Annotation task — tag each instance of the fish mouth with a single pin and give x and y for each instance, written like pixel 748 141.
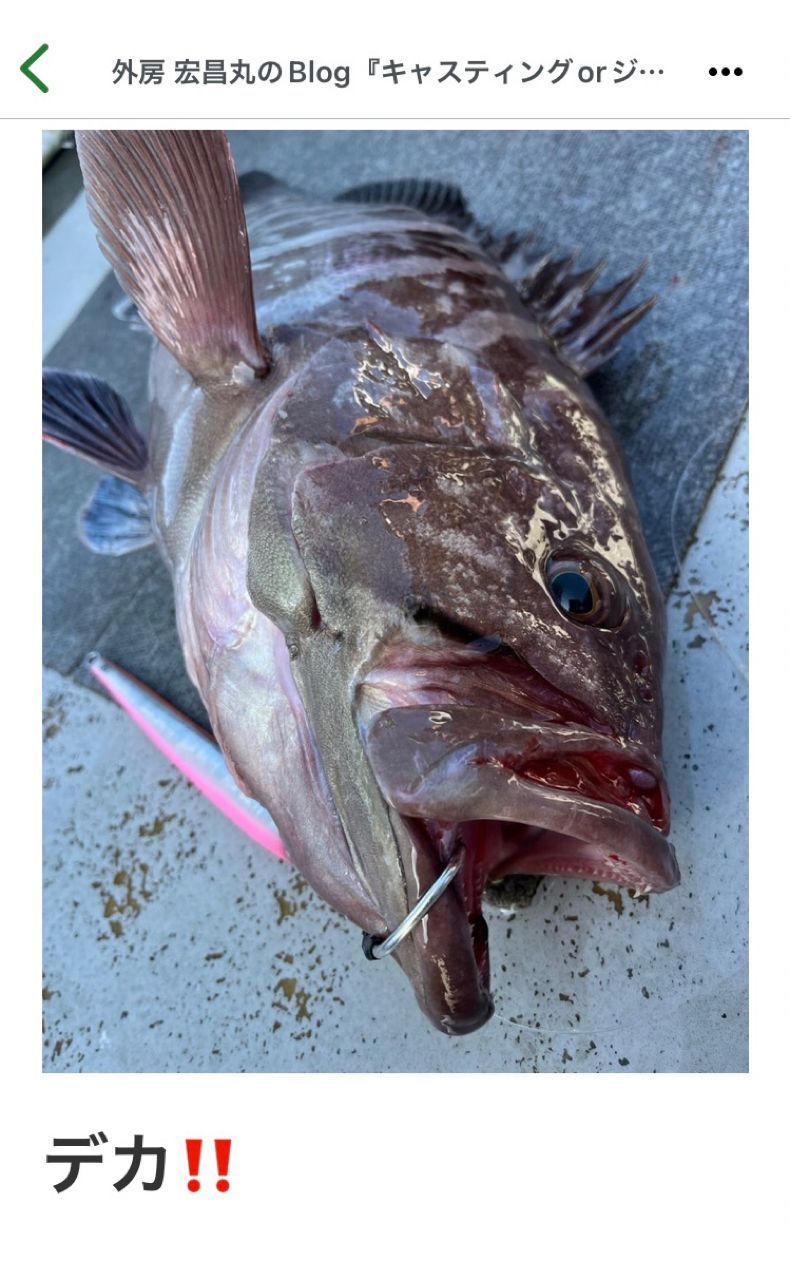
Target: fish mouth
pixel 521 797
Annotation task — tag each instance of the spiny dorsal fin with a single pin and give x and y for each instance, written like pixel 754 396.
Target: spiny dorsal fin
pixel 584 325
pixel 168 212
pixel 502 247
pixel 85 416
pixel 440 200
pixel 437 199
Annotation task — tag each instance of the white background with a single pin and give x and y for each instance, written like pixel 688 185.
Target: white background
pixel 563 1175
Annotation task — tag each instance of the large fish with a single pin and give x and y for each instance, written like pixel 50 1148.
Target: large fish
pixel 411 582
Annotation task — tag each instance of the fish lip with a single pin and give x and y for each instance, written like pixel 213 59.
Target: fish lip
pixel 527 691
pixel 650 862
pixel 446 957
pixel 454 779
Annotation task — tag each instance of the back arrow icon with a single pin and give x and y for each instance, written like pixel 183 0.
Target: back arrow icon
pixel 25 69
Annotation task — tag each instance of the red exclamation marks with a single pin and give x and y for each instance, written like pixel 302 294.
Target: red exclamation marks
pixel 222 1146
pixel 194 1147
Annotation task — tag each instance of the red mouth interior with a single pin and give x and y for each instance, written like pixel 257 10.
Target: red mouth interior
pixel 597 776
pixel 455 677
pixel 495 849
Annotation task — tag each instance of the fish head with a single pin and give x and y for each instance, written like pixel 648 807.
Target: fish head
pixel 483 667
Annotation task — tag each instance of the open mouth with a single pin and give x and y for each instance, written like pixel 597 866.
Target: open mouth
pixel 587 814
pixel 524 799
pixel 527 790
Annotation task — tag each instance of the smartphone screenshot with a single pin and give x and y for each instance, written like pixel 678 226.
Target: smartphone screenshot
pixel 383 587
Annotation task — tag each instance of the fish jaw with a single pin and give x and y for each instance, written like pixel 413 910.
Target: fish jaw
pixel 445 957
pixel 524 797
pixel 394 861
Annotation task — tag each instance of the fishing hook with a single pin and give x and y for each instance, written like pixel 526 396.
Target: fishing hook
pixel 378 948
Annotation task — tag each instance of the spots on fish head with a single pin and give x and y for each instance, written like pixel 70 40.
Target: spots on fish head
pixel 490 548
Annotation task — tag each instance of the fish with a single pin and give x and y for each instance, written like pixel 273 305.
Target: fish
pixel 411 583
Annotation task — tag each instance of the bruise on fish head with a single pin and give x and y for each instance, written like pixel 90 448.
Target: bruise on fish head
pixel 358 385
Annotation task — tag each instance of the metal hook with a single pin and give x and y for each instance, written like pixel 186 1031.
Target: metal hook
pixel 378 948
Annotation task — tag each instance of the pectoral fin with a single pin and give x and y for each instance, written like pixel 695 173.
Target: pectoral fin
pixel 116 519
pixel 169 216
pixel 85 416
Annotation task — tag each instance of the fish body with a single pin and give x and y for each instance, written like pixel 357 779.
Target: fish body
pixel 410 578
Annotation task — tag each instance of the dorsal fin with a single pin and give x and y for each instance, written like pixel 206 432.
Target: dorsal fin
pixel 168 212
pixel 583 325
pixel 438 199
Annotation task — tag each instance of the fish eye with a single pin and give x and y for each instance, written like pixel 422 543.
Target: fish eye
pixel 574 592
pixel 583 590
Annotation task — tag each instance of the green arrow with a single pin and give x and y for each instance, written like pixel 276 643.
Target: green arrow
pixel 25 69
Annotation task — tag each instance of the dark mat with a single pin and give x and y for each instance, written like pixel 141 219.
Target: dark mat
pixel 675 392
